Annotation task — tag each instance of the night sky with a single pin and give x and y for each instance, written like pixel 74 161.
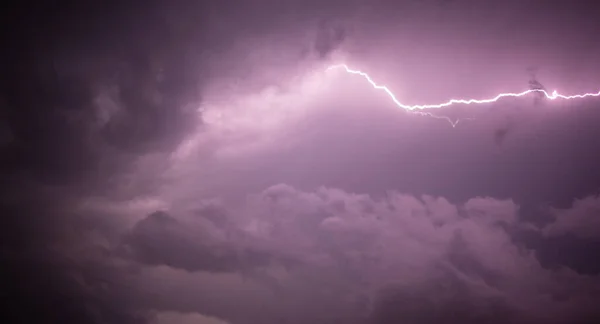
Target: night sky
pixel 195 162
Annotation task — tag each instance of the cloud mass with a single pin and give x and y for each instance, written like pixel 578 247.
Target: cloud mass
pixel 191 163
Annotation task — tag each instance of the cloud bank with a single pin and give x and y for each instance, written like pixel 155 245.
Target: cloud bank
pixel 157 175
pixel 328 255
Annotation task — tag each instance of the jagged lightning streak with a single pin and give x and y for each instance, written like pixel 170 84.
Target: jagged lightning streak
pixel 553 96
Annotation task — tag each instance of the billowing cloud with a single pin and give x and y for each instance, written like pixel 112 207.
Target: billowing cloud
pixel 582 220
pixel 199 165
pixel 342 256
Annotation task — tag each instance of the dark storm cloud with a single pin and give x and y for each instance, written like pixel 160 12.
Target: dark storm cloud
pixel 55 67
pixel 101 203
pixel 83 98
pixel 570 237
pixel 329 37
pixel 582 220
pixel 161 239
pixel 367 259
pixel 453 301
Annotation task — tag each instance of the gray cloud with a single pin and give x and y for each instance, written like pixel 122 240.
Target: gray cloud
pixel 120 139
pixel 368 259
pixel 329 36
pixel 161 239
pixel 581 220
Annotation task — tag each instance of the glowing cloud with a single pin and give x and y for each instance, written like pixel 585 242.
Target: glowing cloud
pixel 553 96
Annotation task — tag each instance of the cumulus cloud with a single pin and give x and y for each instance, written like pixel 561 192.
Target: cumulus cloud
pixel 342 256
pixel 582 220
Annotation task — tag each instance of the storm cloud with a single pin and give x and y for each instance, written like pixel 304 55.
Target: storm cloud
pixel 374 259
pixel 187 163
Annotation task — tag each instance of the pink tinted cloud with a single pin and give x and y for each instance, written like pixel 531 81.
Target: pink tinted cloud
pixel 581 220
pixel 292 249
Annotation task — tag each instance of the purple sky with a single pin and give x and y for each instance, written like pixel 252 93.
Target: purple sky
pixel 187 163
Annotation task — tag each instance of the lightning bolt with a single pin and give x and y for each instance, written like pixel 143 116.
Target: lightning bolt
pixel 554 95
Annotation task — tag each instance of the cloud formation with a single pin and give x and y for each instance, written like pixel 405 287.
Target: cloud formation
pixel 582 220
pixel 347 257
pixel 197 165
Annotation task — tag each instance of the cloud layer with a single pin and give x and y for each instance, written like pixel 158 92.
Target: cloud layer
pixel 330 255
pixel 198 165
